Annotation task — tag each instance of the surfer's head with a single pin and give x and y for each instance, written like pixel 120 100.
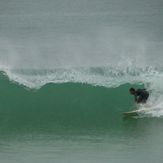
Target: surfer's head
pixel 132 91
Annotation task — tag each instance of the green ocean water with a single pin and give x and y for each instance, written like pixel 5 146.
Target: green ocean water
pixel 74 123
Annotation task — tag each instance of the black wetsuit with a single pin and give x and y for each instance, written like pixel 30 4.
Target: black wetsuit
pixel 141 95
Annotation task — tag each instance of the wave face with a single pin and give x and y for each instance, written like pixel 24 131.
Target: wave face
pixel 56 106
pixel 77 96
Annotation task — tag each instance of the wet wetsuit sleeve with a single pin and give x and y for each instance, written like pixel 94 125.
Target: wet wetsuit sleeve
pixel 135 98
pixel 139 99
pixel 137 95
pixel 141 96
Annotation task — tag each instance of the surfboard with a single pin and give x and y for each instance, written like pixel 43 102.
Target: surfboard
pixel 136 112
pixel 131 113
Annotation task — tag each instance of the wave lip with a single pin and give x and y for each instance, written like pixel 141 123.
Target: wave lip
pixel 97 76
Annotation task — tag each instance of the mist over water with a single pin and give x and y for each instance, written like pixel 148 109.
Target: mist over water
pixel 61 33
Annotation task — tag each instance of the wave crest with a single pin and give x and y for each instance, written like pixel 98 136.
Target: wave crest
pixel 97 76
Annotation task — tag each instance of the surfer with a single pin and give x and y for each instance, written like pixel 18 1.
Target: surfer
pixel 141 95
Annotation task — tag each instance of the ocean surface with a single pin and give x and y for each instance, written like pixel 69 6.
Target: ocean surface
pixel 65 70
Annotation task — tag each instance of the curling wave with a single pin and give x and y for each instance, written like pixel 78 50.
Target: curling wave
pixel 109 77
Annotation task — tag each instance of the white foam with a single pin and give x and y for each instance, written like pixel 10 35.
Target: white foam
pixel 104 76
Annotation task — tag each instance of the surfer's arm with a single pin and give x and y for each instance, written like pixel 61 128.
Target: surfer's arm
pixel 136 100
pixel 140 99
